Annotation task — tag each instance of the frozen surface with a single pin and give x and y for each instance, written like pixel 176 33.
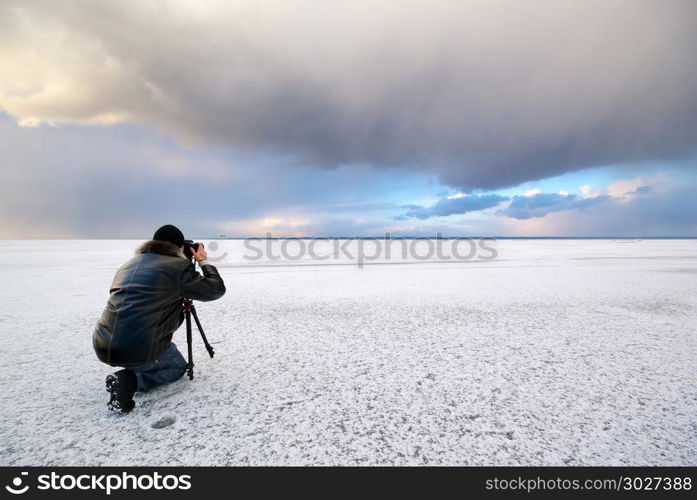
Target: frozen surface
pixel 558 352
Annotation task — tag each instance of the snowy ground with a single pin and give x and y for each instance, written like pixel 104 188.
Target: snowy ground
pixel 558 352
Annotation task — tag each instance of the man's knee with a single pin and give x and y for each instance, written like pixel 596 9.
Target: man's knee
pixel 181 366
pixel 177 359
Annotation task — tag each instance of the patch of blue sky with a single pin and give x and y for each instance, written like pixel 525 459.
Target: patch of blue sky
pixel 570 182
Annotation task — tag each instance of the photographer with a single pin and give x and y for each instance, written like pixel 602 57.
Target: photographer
pixel 145 308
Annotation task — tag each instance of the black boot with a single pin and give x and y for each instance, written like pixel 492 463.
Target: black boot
pixel 121 386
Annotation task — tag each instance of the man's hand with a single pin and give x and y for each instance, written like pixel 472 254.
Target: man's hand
pixel 200 253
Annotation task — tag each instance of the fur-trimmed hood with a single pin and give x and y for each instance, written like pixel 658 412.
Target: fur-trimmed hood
pixel 160 247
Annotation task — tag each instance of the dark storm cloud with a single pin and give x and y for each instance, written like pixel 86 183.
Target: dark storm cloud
pixel 483 93
pixel 541 204
pixel 453 205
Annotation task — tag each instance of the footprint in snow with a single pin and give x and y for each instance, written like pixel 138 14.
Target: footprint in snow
pixel 163 422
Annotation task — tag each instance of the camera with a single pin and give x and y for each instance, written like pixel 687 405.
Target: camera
pixel 190 247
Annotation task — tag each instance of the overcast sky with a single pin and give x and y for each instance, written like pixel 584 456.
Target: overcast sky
pixel 515 117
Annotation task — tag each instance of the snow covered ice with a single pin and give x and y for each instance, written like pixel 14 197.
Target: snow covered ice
pixel 560 352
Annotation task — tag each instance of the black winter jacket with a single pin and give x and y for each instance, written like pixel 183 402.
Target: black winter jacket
pixel 145 303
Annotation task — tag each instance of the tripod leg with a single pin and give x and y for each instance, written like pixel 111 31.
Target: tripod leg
pixel 190 364
pixel 209 347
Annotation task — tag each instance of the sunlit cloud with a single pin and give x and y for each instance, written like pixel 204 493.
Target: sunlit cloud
pixel 627 188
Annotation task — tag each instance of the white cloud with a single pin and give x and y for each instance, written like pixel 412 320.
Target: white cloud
pixel 456 196
pixel 532 192
pixel 627 188
pixel 588 192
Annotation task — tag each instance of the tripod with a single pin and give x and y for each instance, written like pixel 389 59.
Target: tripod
pixel 190 310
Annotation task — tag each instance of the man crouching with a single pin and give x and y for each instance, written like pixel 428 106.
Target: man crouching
pixel 145 308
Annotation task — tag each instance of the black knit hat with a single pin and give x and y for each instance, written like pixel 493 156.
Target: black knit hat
pixel 170 233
